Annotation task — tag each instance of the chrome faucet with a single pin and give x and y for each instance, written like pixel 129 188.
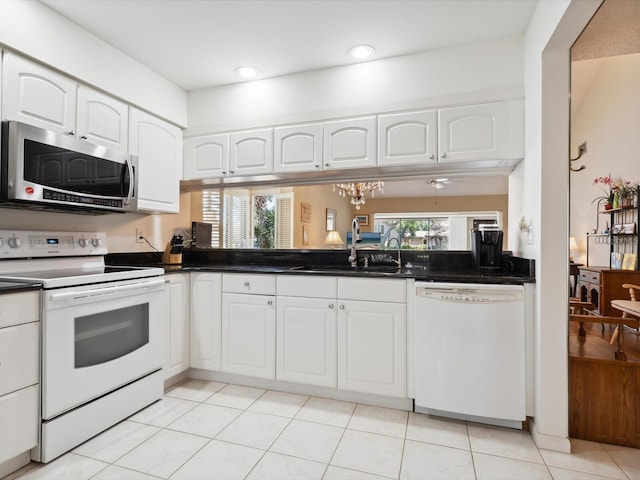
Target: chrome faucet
pixel 398 261
pixel 355 238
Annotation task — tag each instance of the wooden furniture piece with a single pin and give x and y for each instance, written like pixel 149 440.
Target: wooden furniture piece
pixel 603 392
pixel 574 273
pixel 629 308
pixel 600 285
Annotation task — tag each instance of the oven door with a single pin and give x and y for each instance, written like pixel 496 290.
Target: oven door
pixel 97 338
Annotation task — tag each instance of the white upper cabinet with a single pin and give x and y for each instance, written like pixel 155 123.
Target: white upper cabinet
pixel 298 148
pixel 489 131
pixel 251 152
pixel 206 157
pixel 350 143
pixel 408 138
pixel 158 146
pixel 102 119
pixel 38 96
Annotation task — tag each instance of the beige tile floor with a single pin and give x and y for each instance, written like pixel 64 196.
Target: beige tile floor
pixel 210 430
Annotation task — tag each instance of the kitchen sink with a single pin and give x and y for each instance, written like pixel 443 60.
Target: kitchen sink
pixel 379 269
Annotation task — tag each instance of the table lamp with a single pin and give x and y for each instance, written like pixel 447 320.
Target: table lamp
pixel 573 247
pixel 333 239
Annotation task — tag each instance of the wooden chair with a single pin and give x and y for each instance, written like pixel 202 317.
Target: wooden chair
pixel 630 308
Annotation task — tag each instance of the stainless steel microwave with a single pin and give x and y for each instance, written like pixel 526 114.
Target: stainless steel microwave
pixel 46 170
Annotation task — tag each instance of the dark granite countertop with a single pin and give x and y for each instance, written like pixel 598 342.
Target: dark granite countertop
pixel 430 266
pixel 13 287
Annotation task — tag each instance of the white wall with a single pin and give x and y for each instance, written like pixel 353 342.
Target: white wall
pixel 483 71
pixel 543 177
pixel 31 28
pixel 607 119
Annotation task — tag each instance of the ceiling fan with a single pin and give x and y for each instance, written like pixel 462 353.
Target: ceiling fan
pixel 437 183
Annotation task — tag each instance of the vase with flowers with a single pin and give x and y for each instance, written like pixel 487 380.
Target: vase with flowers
pixel 606 185
pixel 626 192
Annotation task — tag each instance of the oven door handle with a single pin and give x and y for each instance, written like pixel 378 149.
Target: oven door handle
pixel 96 292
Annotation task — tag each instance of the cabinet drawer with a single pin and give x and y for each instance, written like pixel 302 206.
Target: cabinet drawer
pixel 372 289
pixel 19 420
pixel 589 276
pixel 254 284
pixel 19 356
pixel 302 286
pixel 17 308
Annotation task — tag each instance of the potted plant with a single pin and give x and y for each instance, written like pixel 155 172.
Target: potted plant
pixel 626 191
pixel 606 185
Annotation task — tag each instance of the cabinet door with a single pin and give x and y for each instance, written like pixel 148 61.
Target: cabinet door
pixel 350 143
pixel 158 146
pixel 251 152
pixel 372 347
pixel 206 310
pixel 407 138
pixel 249 335
pixel 298 148
pixel 306 341
pixel 489 131
pixel 35 95
pixel 206 157
pixel 20 420
pixel 176 332
pixel 102 120
pixel 19 356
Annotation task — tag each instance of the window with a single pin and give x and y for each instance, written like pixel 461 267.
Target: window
pixel 244 219
pixel 430 231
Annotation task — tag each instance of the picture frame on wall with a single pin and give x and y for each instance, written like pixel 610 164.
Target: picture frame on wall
pixel 363 219
pixel 331 219
pixel 305 212
pixel 629 261
pixel 305 235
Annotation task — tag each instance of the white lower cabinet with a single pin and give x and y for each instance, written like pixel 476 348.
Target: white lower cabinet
pixel 176 333
pixel 206 297
pixel 306 341
pixel 372 347
pixel 249 334
pixel 372 338
pixel 19 373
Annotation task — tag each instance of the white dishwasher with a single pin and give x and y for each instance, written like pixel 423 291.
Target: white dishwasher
pixel 470 352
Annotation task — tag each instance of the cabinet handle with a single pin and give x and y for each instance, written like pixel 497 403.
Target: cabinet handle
pixel 444 155
pixel 326 164
pixel 331 305
pixel 317 166
pixel 341 307
pixel 270 302
pixel 71 132
pixel 224 173
pixel 432 156
pixel 231 172
pixel 83 137
pixel 246 284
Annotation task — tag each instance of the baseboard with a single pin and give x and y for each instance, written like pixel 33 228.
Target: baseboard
pixel 549 442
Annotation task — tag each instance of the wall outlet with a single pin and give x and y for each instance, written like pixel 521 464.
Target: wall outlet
pixel 139 235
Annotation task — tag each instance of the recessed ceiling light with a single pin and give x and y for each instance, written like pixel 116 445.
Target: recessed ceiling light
pixel 361 52
pixel 247 72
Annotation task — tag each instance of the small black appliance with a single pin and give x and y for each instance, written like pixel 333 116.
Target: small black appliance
pixel 486 248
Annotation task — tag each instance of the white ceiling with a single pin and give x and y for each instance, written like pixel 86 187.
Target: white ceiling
pixel 453 187
pixel 199 43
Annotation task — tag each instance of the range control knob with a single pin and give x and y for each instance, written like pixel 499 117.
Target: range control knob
pixel 15 242
pixel 95 242
pixel 82 242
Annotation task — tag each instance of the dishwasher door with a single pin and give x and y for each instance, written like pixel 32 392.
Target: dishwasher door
pixel 470 352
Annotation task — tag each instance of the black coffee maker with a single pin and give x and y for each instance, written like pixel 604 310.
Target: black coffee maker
pixel 486 248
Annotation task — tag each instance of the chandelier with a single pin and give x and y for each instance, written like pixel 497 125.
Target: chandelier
pixel 358 191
